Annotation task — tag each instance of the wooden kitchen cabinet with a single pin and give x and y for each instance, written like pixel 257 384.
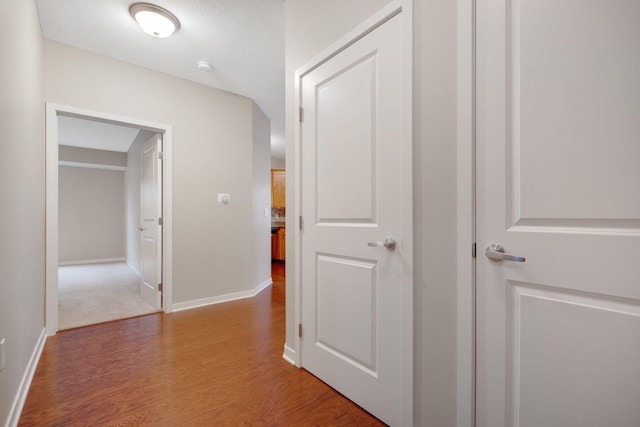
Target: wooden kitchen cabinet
pixel 281 244
pixel 274 246
pixel 278 196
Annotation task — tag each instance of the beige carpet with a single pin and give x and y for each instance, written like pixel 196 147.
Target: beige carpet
pixel 95 293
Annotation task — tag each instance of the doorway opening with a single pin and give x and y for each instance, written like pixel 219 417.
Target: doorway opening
pixel 278 214
pixel 88 246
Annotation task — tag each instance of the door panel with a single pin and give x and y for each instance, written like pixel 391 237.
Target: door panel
pixel 558 167
pixel 346 98
pixel 587 340
pixel 346 305
pixel 574 77
pixel 151 233
pixel 352 184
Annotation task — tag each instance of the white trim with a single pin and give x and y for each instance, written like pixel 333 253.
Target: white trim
pixel 297 237
pixel 222 298
pixel 90 261
pixel 407 220
pixel 91 166
pixel 404 8
pixel 51 247
pixel 289 355
pixel 167 219
pixel 51 228
pixel 465 394
pixel 25 383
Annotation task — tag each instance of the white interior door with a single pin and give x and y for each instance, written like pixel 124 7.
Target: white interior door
pixel 150 223
pixel 353 194
pixel 558 183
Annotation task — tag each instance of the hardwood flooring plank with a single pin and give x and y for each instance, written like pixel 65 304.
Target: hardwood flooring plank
pixel 219 365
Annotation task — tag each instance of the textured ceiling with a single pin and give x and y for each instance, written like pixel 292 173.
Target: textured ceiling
pixel 243 40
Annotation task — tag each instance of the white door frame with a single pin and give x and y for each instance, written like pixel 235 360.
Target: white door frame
pixel 51 246
pixel 405 9
pixel 466 217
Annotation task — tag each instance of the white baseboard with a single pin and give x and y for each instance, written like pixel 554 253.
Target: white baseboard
pixel 23 389
pixel 133 268
pixel 91 261
pixel 289 355
pixel 221 298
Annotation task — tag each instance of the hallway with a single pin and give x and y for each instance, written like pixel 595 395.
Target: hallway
pixel 217 365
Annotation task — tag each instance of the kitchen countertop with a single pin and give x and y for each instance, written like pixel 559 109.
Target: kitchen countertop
pixel 280 222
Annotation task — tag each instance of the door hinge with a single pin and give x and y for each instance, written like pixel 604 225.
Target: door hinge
pixel 301 110
pixel 160 287
pixel 160 221
pixel 300 222
pixel 473 249
pixel 160 155
pixel 300 330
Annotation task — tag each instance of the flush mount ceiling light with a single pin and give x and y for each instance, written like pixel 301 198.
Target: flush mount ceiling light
pixel 154 20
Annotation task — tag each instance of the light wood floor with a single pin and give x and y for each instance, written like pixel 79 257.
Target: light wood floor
pixel 214 366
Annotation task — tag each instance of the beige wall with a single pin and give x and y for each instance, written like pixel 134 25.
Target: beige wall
pixel 435 195
pixel 22 167
pixel 90 214
pixel 312 26
pixel 261 196
pixel 278 163
pixel 212 153
pixel 91 156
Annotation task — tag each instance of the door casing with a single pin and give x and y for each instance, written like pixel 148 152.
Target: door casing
pixel 51 246
pixel 466 300
pixel 406 9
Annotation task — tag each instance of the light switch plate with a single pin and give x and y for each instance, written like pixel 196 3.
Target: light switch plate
pixel 266 212
pixel 225 199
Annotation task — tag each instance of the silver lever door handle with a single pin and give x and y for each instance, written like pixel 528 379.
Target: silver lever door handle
pixel 495 252
pixel 388 243
pixel 139 228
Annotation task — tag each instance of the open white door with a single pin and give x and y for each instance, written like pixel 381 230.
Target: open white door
pixel 558 183
pixel 151 222
pixel 356 293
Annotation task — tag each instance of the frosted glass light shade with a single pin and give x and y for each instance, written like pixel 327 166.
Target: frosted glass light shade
pixel 154 20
